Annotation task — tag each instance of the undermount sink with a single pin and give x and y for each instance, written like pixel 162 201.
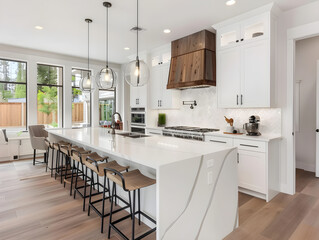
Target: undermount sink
pixel 132 135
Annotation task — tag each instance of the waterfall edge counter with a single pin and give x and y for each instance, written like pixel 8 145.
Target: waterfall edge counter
pixel 196 193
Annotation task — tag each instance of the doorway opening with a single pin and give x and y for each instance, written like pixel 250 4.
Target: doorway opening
pixel 306 115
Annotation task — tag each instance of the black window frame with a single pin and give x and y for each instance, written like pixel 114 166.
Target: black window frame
pixel 20 83
pixel 53 85
pixel 108 90
pixel 72 87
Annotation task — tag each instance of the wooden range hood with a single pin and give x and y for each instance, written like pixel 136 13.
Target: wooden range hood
pixel 193 62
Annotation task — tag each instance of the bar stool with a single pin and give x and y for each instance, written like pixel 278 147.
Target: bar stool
pixel 98 169
pixel 129 181
pixel 80 158
pixel 66 151
pixel 59 168
pixel 49 146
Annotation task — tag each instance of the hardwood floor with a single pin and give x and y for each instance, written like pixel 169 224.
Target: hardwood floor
pixel 35 206
pixel 285 217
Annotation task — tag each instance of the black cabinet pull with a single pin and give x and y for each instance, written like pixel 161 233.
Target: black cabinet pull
pixel 237 41
pixel 217 141
pixel 237 99
pixel 241 99
pixel 242 39
pixel 317 130
pixel 246 145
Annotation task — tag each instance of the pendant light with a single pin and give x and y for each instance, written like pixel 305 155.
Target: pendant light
pixel 106 78
pixel 136 72
pixel 87 83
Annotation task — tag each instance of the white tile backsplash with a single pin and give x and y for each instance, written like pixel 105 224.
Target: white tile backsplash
pixel 206 113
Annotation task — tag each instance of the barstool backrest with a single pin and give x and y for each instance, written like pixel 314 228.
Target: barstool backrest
pixel 109 173
pixel 93 163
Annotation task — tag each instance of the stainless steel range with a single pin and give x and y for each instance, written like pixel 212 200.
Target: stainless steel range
pixel 195 133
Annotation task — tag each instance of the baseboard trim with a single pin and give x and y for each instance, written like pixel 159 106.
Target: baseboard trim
pixel 310 167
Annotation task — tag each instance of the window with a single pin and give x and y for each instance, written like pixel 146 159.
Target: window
pixel 81 101
pixel 106 106
pixel 13 94
pixel 50 94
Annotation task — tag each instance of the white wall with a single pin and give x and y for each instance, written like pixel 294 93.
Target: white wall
pixel 207 114
pixel 307 54
pixel 32 57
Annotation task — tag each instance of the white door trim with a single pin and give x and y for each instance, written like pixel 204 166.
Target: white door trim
pixel 294 34
pixel 317 120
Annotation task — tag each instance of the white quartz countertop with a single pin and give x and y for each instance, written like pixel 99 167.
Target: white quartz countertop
pixel 262 138
pixel 152 151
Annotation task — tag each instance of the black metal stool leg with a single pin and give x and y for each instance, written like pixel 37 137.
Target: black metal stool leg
pixel 72 178
pixel 90 198
pixel 46 159
pixel 133 217
pixel 34 153
pixel 85 180
pixel 103 205
pixel 57 162
pixel 111 212
pixel 130 201
pixel 76 180
pixel 52 151
pixel 139 205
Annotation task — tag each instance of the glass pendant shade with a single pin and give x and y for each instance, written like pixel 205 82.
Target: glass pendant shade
pixel 87 83
pixel 137 73
pixel 106 79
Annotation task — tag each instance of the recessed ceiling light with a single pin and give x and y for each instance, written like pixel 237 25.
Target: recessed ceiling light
pixel 38 27
pixel 126 48
pixel 230 2
pixel 167 31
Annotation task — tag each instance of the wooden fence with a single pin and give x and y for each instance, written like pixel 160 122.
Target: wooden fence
pixel 14 114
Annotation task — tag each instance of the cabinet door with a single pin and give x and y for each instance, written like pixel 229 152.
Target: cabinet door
pixel 228 36
pixel 255 81
pixel 170 97
pixel 256 28
pixel 156 86
pixel 134 92
pixel 228 77
pixel 252 171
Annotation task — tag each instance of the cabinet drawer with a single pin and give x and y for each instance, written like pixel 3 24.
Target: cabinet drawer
pixel 220 140
pixel 250 145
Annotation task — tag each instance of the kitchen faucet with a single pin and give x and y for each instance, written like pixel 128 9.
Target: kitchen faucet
pixel 113 121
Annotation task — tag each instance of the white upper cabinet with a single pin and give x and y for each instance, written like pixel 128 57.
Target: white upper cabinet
pixel 245 75
pixel 253 29
pixel 228 75
pixel 160 97
pixel 255 79
pixel 138 96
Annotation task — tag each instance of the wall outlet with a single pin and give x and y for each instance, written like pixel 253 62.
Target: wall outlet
pixel 210 163
pixel 210 178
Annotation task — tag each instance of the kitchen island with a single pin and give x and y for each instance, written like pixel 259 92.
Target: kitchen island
pixel 195 196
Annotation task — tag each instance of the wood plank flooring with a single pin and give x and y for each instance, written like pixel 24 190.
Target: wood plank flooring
pixel 35 206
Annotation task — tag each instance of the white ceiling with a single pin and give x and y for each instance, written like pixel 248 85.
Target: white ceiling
pixel 66 32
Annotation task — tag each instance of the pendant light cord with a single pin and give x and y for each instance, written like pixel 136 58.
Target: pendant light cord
pixel 88 48
pixel 107 38
pixel 137 30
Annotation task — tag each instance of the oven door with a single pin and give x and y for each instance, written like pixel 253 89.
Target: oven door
pixel 138 129
pixel 138 118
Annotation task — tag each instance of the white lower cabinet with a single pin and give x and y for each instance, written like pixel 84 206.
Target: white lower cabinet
pixel 251 171
pixel 258 165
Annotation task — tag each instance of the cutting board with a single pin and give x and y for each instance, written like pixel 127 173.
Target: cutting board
pixel 233 133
